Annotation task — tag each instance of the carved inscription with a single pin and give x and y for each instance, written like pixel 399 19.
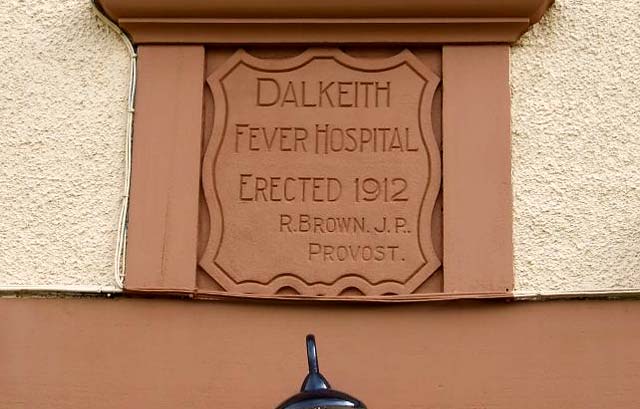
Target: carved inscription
pixel 321 174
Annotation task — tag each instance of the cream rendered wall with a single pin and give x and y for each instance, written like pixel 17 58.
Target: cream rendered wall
pixel 576 146
pixel 63 84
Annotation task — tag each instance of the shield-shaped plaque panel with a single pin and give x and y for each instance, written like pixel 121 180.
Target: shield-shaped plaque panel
pixel 321 174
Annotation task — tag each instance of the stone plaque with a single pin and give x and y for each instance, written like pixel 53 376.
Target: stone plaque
pixel 321 174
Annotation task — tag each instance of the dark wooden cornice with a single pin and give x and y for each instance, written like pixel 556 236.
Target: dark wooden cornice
pixel 325 21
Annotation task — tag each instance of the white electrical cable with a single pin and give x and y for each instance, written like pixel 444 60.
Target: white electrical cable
pixel 559 294
pixel 121 248
pixel 9 290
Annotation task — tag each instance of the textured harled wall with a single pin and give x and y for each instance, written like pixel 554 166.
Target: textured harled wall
pixel 576 165
pixel 63 85
pixel 576 148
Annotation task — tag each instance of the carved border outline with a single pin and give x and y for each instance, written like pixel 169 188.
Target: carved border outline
pixel 431 260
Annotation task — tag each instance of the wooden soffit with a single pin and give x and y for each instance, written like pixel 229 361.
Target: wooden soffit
pixel 325 21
